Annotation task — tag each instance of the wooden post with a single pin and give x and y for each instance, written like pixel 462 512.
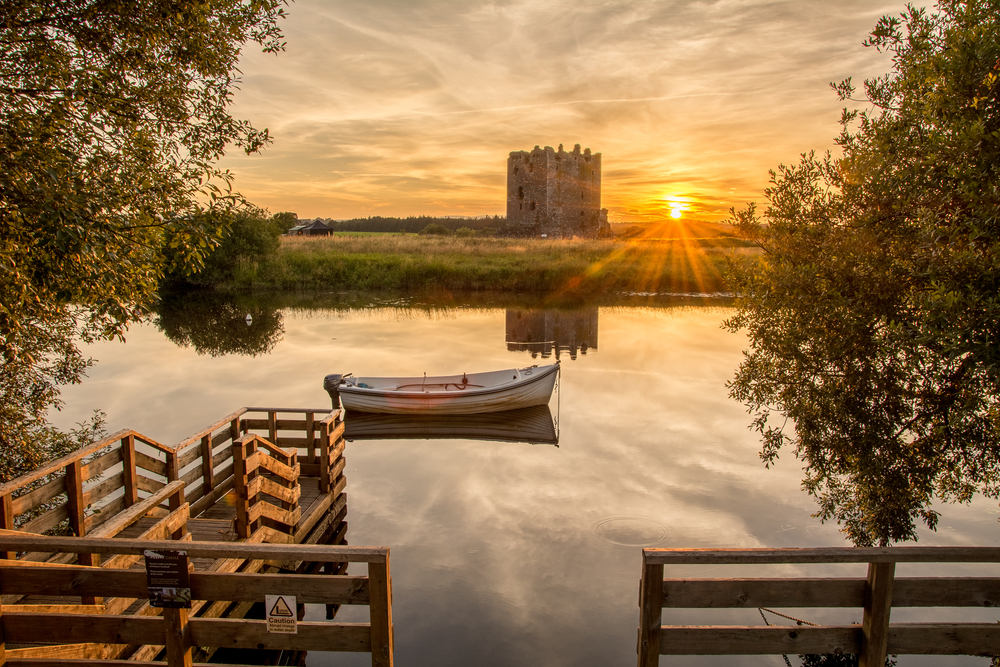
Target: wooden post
pixel 650 613
pixel 178 637
pixel 380 609
pixel 878 605
pixel 74 497
pixel 272 427
pixel 3 641
pixel 240 489
pixel 234 429
pixel 207 470
pixel 128 460
pixel 7 520
pixel 324 457
pixel 310 438
pixel 175 501
pixel 173 467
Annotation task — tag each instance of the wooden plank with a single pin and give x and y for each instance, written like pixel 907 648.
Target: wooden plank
pixel 946 592
pixel 750 593
pixel 650 611
pixel 380 610
pixel 60 653
pixel 54 608
pixel 308 589
pixel 36 497
pixel 130 469
pixel 225 455
pixel 81 628
pixel 74 497
pixel 148 484
pixel 273 466
pixel 271 488
pixel 758 640
pixel 824 555
pixel 311 636
pixel 56 662
pixel 266 510
pixel 139 437
pixel 147 462
pixel 298 411
pixel 137 511
pixel 944 639
pixel 210 429
pixel 49 520
pixel 104 514
pixel 878 607
pixel 207 501
pixel 221 437
pixel 319 553
pixel 102 463
pixel 317 511
pixel 103 489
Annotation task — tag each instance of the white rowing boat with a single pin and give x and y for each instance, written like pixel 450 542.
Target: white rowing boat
pixel 469 393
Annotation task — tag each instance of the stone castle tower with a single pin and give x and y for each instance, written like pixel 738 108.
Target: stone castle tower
pixel 555 193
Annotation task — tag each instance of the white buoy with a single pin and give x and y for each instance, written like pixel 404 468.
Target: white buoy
pixel 249 319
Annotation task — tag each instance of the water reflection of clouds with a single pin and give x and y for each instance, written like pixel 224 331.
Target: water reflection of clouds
pixel 497 555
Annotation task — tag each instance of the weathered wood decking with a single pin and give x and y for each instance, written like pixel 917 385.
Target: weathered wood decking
pixel 258 493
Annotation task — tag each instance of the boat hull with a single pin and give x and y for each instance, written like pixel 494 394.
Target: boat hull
pixel 475 393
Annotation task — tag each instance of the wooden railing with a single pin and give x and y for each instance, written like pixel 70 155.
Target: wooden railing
pixel 876 596
pixel 179 631
pixel 78 492
pixel 263 473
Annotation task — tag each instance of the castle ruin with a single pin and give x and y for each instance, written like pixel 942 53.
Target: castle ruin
pixel 554 193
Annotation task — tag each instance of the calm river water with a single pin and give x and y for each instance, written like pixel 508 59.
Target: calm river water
pixel 507 553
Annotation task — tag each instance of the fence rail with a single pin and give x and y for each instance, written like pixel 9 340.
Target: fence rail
pixel 174 629
pixel 876 596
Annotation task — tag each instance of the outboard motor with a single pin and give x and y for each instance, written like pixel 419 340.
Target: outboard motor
pixel 332 385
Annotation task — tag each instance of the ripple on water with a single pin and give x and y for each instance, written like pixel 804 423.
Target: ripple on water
pixel 630 531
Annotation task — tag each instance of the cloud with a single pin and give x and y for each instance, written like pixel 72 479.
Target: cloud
pixel 384 106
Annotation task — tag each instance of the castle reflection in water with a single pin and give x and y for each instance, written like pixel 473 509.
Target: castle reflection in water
pixel 547 332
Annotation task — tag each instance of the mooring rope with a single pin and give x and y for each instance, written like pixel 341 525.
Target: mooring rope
pixel 798 621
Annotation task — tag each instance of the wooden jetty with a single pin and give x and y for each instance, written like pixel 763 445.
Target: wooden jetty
pixel 876 595
pixel 256 500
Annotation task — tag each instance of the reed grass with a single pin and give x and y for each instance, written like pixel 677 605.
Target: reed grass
pixel 409 262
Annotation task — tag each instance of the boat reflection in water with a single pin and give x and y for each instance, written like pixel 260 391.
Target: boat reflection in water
pixel 534 425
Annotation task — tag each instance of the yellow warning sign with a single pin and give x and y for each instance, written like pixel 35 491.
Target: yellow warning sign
pixel 281 616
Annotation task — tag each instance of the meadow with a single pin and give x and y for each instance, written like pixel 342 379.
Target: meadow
pixel 419 262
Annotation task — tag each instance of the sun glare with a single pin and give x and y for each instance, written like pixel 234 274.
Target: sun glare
pixel 676 213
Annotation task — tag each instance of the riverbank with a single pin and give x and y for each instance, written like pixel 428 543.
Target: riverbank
pixel 407 262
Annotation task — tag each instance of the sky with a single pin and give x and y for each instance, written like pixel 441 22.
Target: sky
pixel 411 107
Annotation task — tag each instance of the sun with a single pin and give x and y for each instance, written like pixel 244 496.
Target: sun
pixel 676 213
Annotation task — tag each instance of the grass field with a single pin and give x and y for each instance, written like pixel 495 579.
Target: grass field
pixel 411 262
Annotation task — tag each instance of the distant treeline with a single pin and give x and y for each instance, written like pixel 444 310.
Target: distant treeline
pixel 413 223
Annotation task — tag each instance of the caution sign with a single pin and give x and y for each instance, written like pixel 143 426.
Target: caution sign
pixel 281 614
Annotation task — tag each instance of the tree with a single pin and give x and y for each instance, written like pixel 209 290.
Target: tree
pixel 113 116
pixel 874 312
pixel 286 220
pixel 251 235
